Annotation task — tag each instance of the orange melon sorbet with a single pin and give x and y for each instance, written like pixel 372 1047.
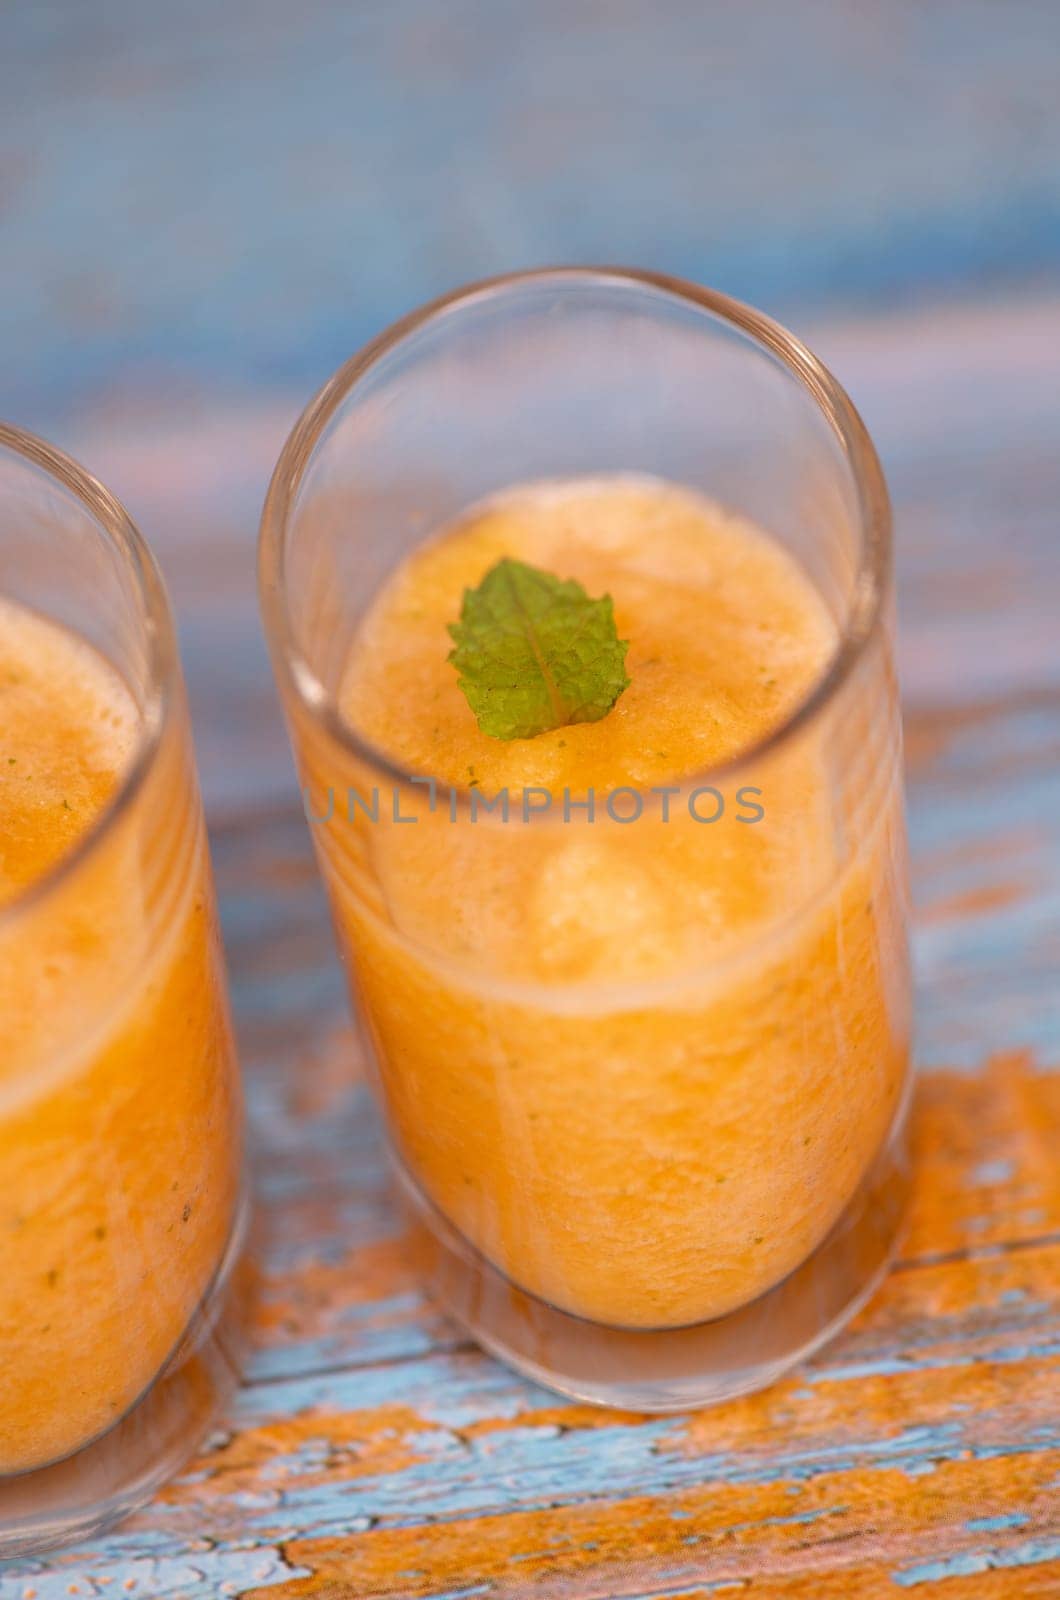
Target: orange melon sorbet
pixel 641 1065
pixel 119 1099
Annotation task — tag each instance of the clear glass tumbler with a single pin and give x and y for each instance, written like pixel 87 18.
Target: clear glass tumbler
pixel 120 1107
pixel 663 1187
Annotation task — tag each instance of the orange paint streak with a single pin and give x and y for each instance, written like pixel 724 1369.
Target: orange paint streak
pixel 1009 1114
pixel 312 1301
pixel 976 902
pixel 874 1581
pixel 712 1533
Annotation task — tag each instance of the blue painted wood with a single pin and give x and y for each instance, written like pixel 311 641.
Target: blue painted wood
pixel 220 198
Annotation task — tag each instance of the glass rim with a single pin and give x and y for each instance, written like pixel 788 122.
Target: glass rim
pixel 163 660
pixel 871 581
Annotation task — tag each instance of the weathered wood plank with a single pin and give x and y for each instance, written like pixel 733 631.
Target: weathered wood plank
pixel 383 153
pixel 960 1347
pixel 610 1552
pixel 707 1497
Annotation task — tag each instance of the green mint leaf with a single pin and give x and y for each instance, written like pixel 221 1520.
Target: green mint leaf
pixel 534 652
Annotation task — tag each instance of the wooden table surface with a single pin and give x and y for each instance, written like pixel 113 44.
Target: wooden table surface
pixel 372 1451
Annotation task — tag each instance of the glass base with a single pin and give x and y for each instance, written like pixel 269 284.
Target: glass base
pixel 89 1491
pixel 672 1369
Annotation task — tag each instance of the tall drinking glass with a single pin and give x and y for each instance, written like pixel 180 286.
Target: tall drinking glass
pixel 644 1063
pixel 120 1109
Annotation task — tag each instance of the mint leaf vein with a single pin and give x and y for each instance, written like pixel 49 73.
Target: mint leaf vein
pixel 534 652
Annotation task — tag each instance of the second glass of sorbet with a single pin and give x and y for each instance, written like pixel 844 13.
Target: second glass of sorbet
pixel 636 989
pixel 121 1147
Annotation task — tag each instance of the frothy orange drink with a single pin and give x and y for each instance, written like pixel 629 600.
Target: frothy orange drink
pixel 119 1099
pixel 640 1060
